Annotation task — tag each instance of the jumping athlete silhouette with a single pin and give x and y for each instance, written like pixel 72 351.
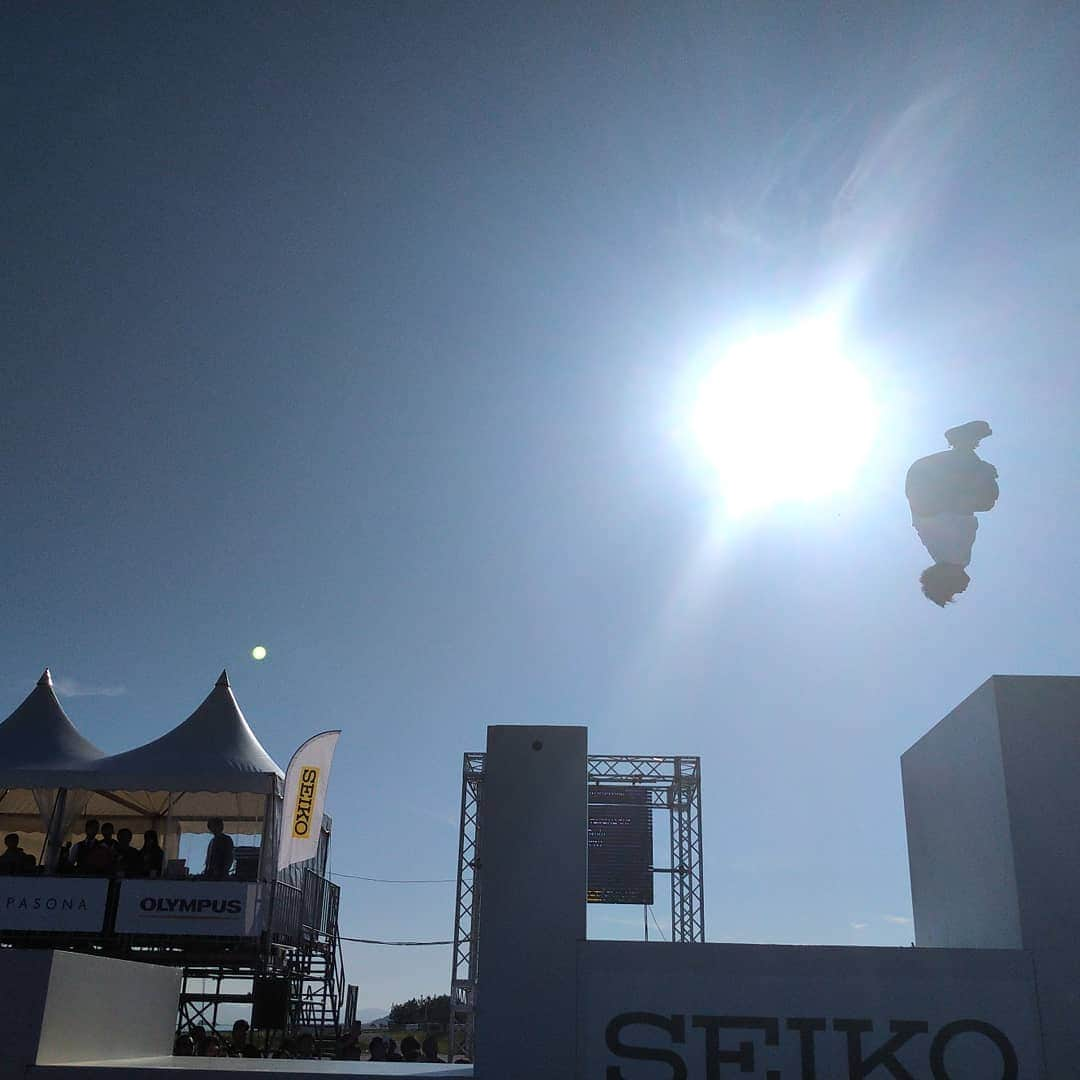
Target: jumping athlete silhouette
pixel 945 491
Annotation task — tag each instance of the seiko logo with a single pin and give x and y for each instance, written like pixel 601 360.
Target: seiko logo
pixel 863 1054
pixel 173 905
pixel 305 801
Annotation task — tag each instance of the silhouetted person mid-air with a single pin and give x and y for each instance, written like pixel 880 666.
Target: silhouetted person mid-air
pixel 945 491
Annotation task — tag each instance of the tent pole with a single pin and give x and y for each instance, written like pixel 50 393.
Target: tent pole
pixel 50 855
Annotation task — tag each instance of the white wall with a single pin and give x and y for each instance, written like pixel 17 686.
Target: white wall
pixel 805 1013
pixel 63 1007
pixel 1039 721
pixel 963 881
pixel 992 796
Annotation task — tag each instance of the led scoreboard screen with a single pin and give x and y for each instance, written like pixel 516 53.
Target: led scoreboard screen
pixel 620 845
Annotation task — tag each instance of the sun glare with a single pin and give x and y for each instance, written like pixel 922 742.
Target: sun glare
pixel 784 417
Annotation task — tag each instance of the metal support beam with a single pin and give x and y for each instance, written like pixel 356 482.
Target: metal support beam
pixel 687 884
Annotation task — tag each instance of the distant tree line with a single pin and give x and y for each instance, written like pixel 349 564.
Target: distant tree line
pixel 421 1010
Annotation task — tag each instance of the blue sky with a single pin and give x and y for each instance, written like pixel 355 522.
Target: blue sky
pixel 366 332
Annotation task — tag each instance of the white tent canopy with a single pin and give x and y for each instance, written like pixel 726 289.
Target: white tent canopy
pixel 211 765
pixel 214 749
pixel 39 737
pixel 38 745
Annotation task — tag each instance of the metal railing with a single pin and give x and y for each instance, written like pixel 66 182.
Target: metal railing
pixel 286 905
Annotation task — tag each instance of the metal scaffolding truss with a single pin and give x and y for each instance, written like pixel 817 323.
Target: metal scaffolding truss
pixel 674 785
pixel 466 913
pixel 301 946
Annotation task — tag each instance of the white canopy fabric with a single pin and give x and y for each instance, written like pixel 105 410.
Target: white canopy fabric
pixel 37 743
pixel 213 750
pixel 39 737
pixel 211 765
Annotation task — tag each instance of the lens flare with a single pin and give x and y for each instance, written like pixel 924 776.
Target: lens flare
pixel 784 417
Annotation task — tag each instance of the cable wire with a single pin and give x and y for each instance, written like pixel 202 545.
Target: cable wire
pixel 399 881
pixel 657 925
pixel 372 941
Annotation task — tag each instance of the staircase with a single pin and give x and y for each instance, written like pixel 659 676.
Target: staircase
pixel 317 972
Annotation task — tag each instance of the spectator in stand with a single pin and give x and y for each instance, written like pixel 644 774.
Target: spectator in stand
pixel 128 860
pixel 198 1037
pixel 350 1046
pixel 219 852
pixel 305 1047
pixel 80 850
pixel 212 1047
pixel 153 858
pixel 410 1049
pixel 392 1051
pixel 107 837
pixel 284 1050
pixel 99 861
pixel 430 1049
pixel 241 1045
pixel 184 1046
pixel 377 1049
pixel 63 860
pixel 15 860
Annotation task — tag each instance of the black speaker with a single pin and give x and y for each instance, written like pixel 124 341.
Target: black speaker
pixel 270 1003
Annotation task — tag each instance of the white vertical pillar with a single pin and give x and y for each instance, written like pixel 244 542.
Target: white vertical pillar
pixel 532 850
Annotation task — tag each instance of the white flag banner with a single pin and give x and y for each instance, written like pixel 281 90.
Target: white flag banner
pixel 305 795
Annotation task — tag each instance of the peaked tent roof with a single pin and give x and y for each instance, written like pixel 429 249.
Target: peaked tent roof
pixel 214 749
pixel 39 737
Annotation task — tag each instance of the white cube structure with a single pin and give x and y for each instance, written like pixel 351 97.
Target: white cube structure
pixel 992 801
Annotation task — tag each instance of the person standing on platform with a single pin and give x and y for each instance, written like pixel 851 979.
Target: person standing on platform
pixel 219 852
pixel 153 857
pixel 128 859
pixel 15 860
pixel 78 854
pixel 107 837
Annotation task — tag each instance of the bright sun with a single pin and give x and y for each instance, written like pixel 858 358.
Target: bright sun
pixel 784 417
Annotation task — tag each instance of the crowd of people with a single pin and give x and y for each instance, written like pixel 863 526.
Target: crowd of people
pixel 102 852
pixel 198 1042
pixel 105 851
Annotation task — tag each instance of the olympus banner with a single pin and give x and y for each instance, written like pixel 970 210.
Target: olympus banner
pixel 205 908
pixel 53 904
pixel 805 1013
pixel 305 797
